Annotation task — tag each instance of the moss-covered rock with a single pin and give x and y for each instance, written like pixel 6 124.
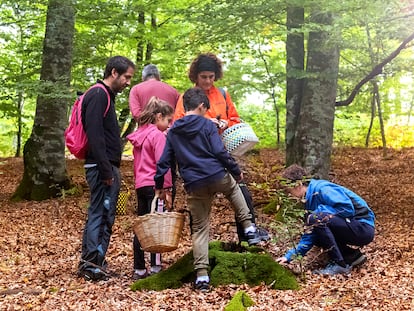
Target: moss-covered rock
pixel 240 302
pixel 229 264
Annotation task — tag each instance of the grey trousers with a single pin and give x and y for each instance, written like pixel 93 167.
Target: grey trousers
pixel 199 203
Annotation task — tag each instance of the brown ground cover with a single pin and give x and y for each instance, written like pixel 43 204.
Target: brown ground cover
pixel 40 243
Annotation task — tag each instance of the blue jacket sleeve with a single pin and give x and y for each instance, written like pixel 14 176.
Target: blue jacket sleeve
pixel 304 245
pixel 166 161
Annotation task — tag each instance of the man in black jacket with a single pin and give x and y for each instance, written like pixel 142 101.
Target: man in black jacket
pixel 102 163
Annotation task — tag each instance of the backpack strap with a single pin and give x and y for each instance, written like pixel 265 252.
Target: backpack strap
pixel 223 92
pixel 107 94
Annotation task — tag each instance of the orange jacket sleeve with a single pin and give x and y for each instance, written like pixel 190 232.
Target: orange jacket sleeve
pixel 232 114
pixel 179 109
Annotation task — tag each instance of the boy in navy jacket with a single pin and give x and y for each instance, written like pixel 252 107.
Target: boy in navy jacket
pixel 206 167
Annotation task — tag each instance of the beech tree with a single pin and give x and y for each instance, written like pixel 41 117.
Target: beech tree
pixel 44 152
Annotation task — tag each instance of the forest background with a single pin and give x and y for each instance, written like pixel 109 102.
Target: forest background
pixel 366 45
pixel 249 36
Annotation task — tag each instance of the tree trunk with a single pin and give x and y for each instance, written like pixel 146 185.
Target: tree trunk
pixel 295 55
pixel 371 121
pixel 314 134
pixel 381 119
pixel 44 152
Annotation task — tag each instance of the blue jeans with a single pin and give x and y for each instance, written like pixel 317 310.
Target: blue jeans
pixel 334 234
pixel 101 217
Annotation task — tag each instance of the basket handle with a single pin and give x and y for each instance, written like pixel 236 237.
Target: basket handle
pixel 154 203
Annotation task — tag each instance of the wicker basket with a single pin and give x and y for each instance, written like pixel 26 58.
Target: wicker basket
pixel 159 232
pixel 239 138
pixel 123 197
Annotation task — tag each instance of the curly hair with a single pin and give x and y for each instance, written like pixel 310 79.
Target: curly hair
pixel 203 61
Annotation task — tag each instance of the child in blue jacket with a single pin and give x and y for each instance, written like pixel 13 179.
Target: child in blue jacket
pixel 207 168
pixel 336 218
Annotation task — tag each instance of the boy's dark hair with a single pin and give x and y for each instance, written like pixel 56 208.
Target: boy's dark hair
pixel 119 63
pixel 295 173
pixel 193 97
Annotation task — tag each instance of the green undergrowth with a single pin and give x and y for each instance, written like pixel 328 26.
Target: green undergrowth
pixel 229 264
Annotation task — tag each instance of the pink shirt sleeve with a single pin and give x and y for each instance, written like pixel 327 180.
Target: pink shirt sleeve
pixel 134 104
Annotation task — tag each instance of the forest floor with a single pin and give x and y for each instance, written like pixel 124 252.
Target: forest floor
pixel 40 244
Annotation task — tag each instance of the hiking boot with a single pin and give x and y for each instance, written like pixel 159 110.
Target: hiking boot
pixel 256 237
pixel 333 269
pixel 202 286
pixel 355 259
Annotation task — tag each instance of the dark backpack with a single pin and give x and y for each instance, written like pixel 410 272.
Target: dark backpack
pixel 75 136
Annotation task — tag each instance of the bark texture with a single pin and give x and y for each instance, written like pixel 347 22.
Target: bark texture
pixel 44 152
pixel 314 133
pixel 295 58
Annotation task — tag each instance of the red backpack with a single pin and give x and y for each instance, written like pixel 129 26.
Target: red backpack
pixel 75 136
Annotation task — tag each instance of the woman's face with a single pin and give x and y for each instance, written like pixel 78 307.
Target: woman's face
pixel 205 80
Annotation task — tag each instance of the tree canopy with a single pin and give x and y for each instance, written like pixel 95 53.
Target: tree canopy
pixel 250 36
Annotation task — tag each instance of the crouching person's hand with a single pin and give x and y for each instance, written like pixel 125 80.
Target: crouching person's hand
pixel 282 260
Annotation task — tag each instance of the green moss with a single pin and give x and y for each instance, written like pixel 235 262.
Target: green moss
pixel 241 301
pixel 174 277
pixel 229 264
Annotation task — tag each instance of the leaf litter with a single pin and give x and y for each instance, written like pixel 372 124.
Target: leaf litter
pixel 40 244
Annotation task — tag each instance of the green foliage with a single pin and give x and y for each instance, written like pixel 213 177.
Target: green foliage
pixel 241 301
pixel 288 214
pixel 252 266
pixel 248 36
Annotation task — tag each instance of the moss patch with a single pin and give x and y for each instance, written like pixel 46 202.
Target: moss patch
pixel 229 264
pixel 241 301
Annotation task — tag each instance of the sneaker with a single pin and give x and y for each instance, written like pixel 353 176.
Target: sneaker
pixel 155 269
pixel 256 237
pixel 139 275
pixel 93 274
pixel 202 286
pixel 264 235
pixel 333 269
pixel 359 261
pixel 355 259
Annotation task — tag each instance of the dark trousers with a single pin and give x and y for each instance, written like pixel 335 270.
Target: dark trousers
pixel 249 201
pixel 101 217
pixel 145 195
pixel 334 233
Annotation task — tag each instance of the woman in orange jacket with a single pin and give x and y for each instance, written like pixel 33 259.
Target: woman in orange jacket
pixel 204 71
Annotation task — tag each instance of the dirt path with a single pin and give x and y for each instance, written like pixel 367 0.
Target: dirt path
pixel 40 241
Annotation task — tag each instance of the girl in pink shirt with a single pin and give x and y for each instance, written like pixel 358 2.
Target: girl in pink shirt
pixel 148 142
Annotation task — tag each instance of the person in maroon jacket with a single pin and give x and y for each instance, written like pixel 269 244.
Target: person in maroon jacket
pixel 151 86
